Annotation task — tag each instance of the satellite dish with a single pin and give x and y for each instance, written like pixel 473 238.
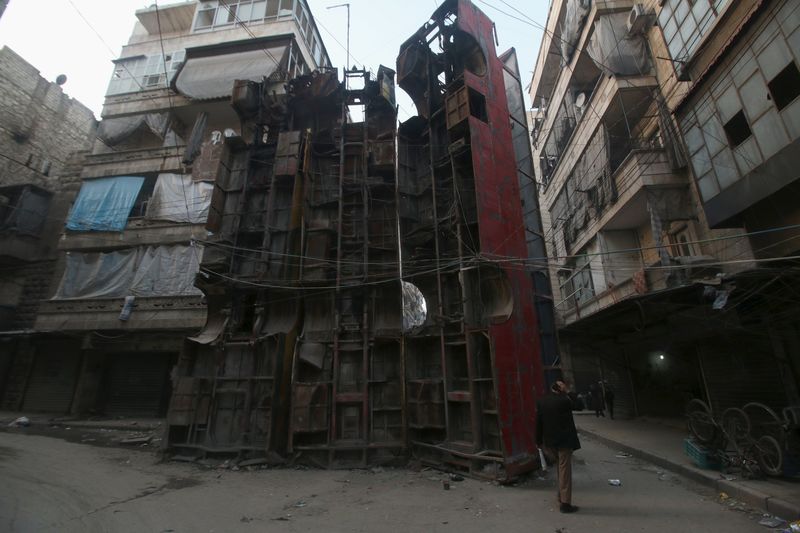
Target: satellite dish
pixel 61 79
pixel 580 99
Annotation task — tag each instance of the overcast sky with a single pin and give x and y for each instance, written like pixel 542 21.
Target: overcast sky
pixel 53 36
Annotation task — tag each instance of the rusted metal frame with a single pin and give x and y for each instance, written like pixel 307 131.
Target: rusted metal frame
pixel 475 408
pixel 190 436
pixel 437 252
pixel 294 274
pixel 240 208
pixel 402 340
pixel 338 290
pixel 266 241
pixel 366 414
pixel 517 369
pixel 476 456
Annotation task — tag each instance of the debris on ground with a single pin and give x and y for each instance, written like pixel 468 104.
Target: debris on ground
pixel 253 462
pixel 623 455
pixel 456 477
pixel 615 482
pixel 21 422
pixel 184 458
pixel 445 484
pixel 137 440
pixel 723 496
pixel 794 527
pixel 771 521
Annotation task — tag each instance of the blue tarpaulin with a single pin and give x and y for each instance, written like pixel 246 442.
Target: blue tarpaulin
pixel 104 204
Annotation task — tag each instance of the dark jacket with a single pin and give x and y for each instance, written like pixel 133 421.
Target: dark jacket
pixel 555 427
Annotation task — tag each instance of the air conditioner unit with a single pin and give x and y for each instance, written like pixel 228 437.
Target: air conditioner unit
pixel 638 20
pixel 698 266
pixel 152 80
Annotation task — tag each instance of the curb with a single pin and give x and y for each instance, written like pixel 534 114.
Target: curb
pixel 109 425
pixel 777 506
pixel 121 426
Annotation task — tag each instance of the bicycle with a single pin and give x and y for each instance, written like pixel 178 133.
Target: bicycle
pixel 775 431
pixel 732 441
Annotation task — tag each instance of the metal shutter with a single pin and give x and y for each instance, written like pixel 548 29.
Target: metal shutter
pixel 52 382
pixel 136 382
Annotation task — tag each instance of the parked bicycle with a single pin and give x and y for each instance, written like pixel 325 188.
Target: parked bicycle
pixel 733 442
pixel 783 429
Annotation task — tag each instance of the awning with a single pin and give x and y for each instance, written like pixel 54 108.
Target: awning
pixel 179 198
pixel 213 331
pixel 104 204
pixel 204 78
pixel 115 130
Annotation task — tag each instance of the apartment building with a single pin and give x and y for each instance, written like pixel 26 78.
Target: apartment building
pixel 740 119
pixel 647 283
pixel 125 298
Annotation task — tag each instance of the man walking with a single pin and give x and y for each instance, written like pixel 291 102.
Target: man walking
pixel 609 394
pixel 555 431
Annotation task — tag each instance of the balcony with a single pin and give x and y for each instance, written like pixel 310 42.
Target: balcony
pixel 149 101
pixel 569 314
pixel 133 162
pixel 616 104
pixel 138 232
pixel 644 176
pixel 154 313
pixel 167 19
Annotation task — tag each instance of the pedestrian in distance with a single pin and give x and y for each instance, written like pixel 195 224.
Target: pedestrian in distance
pixel 598 401
pixel 609 394
pixel 557 436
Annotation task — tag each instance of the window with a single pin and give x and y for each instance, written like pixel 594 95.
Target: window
pixel 139 208
pixel 213 14
pixel 23 209
pixel 477 105
pixel 686 22
pixel 681 242
pixel 577 288
pixel 785 87
pixel 143 72
pixel 205 16
pixel 737 129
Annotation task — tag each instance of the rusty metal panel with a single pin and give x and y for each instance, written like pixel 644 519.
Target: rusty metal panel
pixel 457 107
pixel 288 153
pixel 470 374
pixel 515 342
pixel 313 220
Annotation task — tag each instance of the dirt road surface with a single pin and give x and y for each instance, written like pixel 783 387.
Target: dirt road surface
pixel 49 484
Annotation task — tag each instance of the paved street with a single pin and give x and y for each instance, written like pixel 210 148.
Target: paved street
pixel 53 485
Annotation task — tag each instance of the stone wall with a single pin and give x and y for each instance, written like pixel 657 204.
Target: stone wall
pixel 44 135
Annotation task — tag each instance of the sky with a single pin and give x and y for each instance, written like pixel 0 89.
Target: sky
pixel 79 38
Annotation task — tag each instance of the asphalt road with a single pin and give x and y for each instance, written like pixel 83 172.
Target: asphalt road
pixel 48 484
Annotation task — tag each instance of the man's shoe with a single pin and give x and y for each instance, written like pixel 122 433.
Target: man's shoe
pixel 568 508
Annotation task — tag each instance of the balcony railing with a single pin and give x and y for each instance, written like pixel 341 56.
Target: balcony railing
pixel 155 313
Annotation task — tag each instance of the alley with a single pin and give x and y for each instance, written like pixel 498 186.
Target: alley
pixel 53 485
